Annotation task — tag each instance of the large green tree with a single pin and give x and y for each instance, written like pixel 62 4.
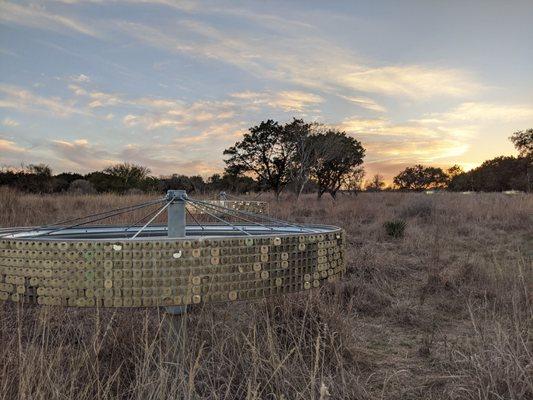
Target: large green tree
pixel 496 175
pixel 337 156
pixel 421 178
pixel 132 175
pixel 264 152
pixel 304 152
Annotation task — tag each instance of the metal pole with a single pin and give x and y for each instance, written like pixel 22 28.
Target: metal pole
pixel 223 197
pixel 176 213
pixel 177 315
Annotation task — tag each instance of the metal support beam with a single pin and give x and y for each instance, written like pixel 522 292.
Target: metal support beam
pixel 176 315
pixel 177 221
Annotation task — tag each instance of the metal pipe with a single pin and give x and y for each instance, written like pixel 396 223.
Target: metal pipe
pixel 177 220
pixel 177 224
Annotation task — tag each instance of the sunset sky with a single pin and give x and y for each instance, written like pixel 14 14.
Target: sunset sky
pixel 170 84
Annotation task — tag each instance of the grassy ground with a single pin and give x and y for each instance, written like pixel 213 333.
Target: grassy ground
pixel 444 312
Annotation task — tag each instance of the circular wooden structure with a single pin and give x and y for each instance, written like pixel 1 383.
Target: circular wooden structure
pixel 108 266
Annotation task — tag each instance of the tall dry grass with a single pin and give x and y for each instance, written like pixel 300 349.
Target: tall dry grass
pixel 442 313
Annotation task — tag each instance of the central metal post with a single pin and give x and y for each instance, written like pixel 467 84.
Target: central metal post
pixel 177 228
pixel 177 221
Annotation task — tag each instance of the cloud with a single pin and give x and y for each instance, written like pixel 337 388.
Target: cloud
pixel 161 158
pixel 409 142
pixel 130 120
pixel 7 146
pixel 414 81
pixel 288 100
pixel 81 155
pixel 80 78
pixel 163 162
pixel 364 102
pixel 21 99
pixel 485 112
pixel 101 99
pixel 303 58
pixel 34 16
pixel 10 122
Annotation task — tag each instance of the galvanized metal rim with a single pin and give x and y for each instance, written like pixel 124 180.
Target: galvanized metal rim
pixel 159 232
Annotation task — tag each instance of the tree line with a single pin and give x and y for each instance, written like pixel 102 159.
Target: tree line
pixel 296 156
pixel 501 173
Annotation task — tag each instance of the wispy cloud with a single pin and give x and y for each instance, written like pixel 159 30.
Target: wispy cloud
pixel 288 100
pixel 81 155
pixel 304 59
pixel 35 16
pixel 388 142
pixel 482 111
pixel 10 122
pixel 365 103
pixel 162 158
pixel 19 98
pixel 8 146
pixel 154 113
pixel 414 81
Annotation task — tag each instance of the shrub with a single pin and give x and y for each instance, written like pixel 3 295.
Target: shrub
pixel 421 207
pixel 81 186
pixel 395 229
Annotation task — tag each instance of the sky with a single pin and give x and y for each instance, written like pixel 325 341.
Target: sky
pixel 171 84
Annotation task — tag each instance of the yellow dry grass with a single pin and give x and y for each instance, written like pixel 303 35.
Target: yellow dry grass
pixel 442 313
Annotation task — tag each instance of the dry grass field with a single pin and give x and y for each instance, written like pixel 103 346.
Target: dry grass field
pixel 444 312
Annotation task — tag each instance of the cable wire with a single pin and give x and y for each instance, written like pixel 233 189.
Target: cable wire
pixel 152 219
pixel 101 213
pixel 142 219
pixel 217 218
pixel 270 219
pixel 195 220
pixel 231 212
pixel 93 220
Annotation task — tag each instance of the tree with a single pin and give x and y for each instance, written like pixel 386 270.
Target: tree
pixel 337 155
pixel 264 152
pixel 523 142
pixel 496 175
pixel 421 178
pixel 176 182
pixel 232 183
pixel 63 180
pixel 376 184
pixel 131 175
pixel 454 171
pixel 41 170
pixel 354 180
pixel 300 134
pixel 104 182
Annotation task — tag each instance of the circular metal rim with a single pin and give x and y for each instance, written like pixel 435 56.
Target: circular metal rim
pixel 159 232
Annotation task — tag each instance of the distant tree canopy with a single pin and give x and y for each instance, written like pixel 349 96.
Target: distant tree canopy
pixel 266 153
pixel 421 178
pixel 119 178
pixel 296 152
pixel 337 156
pixel 496 175
pixel 523 142
pixel 130 175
